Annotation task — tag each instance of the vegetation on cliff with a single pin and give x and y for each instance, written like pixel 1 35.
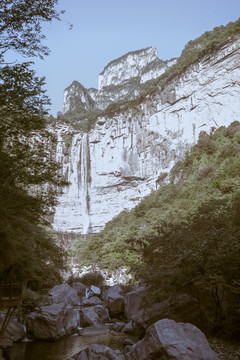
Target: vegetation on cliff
pixel 28 173
pixel 186 236
pixel 194 50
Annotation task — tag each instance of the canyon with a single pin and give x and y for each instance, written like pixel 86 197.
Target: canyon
pixel 127 153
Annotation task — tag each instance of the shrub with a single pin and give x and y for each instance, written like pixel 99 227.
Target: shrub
pixel 204 171
pixel 92 278
pixel 206 145
pixel 232 129
pixel 237 137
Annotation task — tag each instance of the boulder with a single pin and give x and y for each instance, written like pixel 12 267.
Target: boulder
pixel 64 294
pixel 115 288
pixel 90 317
pixel 182 308
pixel 167 339
pixel 80 288
pixel 132 302
pixel 14 332
pixel 94 315
pixel 102 313
pixel 95 290
pixel 51 322
pixel 98 352
pixel 114 300
pixel 94 300
pixel 129 329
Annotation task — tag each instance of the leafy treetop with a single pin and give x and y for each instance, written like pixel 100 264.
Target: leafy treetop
pixel 20 25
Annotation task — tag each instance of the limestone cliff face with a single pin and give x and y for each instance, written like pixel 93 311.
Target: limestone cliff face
pixel 118 162
pixel 121 79
pixel 130 66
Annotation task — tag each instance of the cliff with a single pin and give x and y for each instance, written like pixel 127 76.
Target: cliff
pixel 121 79
pixel 119 161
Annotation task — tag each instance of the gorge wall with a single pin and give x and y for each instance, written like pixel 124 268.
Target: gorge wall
pixel 122 79
pixel 117 163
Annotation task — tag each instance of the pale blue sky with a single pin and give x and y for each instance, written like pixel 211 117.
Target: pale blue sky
pixel 106 29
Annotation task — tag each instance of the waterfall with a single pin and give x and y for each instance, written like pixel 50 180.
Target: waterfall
pixel 72 213
pixel 83 189
pixel 79 318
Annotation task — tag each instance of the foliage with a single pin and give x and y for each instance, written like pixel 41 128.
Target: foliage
pixel 20 26
pixel 28 173
pixel 91 278
pixel 185 237
pixel 30 301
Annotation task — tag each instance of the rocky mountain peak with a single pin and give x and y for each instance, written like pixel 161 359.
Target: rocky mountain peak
pixel 126 67
pixel 122 79
pixel 77 99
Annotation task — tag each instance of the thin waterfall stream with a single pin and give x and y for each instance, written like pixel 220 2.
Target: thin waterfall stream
pixel 83 190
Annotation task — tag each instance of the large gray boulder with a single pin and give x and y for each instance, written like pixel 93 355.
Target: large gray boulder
pixel 94 315
pixel 90 317
pixel 98 352
pixel 51 322
pixel 167 339
pixel 94 300
pixel 102 313
pixel 80 288
pixel 182 308
pixel 114 300
pixel 64 294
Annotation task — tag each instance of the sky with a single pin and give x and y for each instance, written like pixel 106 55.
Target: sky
pixel 104 30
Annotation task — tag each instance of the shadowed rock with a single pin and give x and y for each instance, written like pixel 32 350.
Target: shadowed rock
pixel 167 339
pixel 51 322
pixel 64 294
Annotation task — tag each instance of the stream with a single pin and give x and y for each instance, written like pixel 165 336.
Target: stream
pixel 63 348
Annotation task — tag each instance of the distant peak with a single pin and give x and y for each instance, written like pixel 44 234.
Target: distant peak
pixel 75 83
pixel 125 56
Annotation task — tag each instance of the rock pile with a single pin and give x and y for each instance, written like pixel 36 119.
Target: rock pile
pixel 167 330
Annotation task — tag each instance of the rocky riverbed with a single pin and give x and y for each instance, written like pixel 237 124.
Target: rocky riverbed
pixel 84 323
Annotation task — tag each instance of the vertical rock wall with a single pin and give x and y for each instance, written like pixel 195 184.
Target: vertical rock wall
pixel 114 166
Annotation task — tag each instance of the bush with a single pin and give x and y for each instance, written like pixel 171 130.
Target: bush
pixel 30 301
pixel 204 171
pixel 92 278
pixel 231 130
pixel 206 145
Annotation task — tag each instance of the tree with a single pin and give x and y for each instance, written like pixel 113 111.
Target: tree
pixel 20 25
pixel 29 175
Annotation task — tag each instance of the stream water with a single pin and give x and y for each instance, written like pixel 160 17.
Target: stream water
pixel 63 348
